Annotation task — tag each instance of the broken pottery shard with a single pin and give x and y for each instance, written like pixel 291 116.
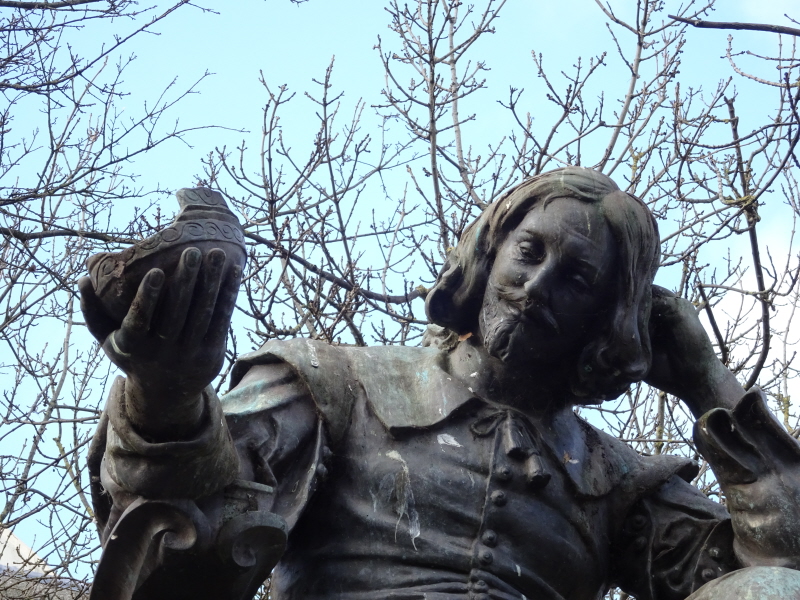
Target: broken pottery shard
pixel 205 222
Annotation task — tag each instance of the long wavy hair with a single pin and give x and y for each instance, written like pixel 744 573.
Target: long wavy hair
pixel 619 353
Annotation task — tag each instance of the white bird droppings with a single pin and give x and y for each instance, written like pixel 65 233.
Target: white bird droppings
pixel 445 439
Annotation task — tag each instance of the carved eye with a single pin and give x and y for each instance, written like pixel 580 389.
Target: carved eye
pixel 532 251
pixel 579 282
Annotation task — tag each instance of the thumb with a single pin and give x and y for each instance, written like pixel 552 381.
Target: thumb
pixel 99 324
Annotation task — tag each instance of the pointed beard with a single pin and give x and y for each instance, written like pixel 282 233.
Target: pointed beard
pixel 503 331
pixel 510 324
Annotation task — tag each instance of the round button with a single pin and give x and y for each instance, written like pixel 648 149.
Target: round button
pixel 639 544
pixel 322 471
pixel 638 521
pixel 714 553
pixel 708 574
pixel 499 498
pixel 486 557
pixel 489 538
pixel 503 473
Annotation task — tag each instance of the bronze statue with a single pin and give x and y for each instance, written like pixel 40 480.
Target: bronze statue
pixel 455 470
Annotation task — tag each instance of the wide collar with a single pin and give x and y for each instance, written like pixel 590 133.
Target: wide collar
pixel 411 387
pixel 418 390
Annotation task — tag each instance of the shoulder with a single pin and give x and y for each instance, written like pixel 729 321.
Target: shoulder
pixel 281 372
pixel 333 376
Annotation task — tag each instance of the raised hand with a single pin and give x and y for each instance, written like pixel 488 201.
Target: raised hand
pixel 171 343
pixel 684 361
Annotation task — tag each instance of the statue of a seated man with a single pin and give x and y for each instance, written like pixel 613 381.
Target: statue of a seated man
pixel 454 470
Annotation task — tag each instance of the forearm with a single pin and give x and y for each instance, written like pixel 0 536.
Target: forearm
pixel 164 414
pixel 718 389
pixel 220 543
pixel 238 538
pixel 181 467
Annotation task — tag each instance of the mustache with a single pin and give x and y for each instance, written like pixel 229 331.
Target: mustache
pixel 525 308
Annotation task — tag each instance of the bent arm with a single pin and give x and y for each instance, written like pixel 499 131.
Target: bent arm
pixel 755 460
pixel 221 485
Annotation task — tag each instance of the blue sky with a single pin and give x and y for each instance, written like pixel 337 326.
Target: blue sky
pixel 293 43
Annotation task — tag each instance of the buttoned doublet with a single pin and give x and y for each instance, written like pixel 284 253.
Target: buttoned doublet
pixel 396 481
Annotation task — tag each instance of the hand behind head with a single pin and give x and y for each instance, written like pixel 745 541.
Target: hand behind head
pixel 684 361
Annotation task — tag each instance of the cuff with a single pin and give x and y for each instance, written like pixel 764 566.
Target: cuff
pixel 747 443
pixel 757 463
pixel 191 468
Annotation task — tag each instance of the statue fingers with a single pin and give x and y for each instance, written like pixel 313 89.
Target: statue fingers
pixel 178 295
pixel 226 302
pixel 98 322
pixel 661 292
pixel 136 324
pixel 666 309
pixel 674 321
pixel 205 298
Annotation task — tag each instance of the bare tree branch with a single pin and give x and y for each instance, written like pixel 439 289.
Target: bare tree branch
pixel 45 5
pixel 782 29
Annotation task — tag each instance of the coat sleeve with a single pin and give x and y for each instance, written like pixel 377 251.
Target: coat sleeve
pixel 227 497
pixel 677 540
pixel 672 542
pixel 757 464
pixel 283 441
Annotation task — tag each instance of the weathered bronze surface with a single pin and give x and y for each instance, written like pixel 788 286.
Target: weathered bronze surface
pixel 753 583
pixel 204 222
pixel 454 470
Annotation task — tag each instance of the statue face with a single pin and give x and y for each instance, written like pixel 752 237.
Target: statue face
pixel 550 286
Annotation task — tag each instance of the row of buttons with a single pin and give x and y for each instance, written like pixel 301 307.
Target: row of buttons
pixel 489 537
pixel 478 587
pixel 636 523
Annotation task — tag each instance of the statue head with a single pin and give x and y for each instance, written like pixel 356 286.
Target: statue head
pixel 613 348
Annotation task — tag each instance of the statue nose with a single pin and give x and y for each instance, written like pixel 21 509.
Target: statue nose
pixel 539 283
